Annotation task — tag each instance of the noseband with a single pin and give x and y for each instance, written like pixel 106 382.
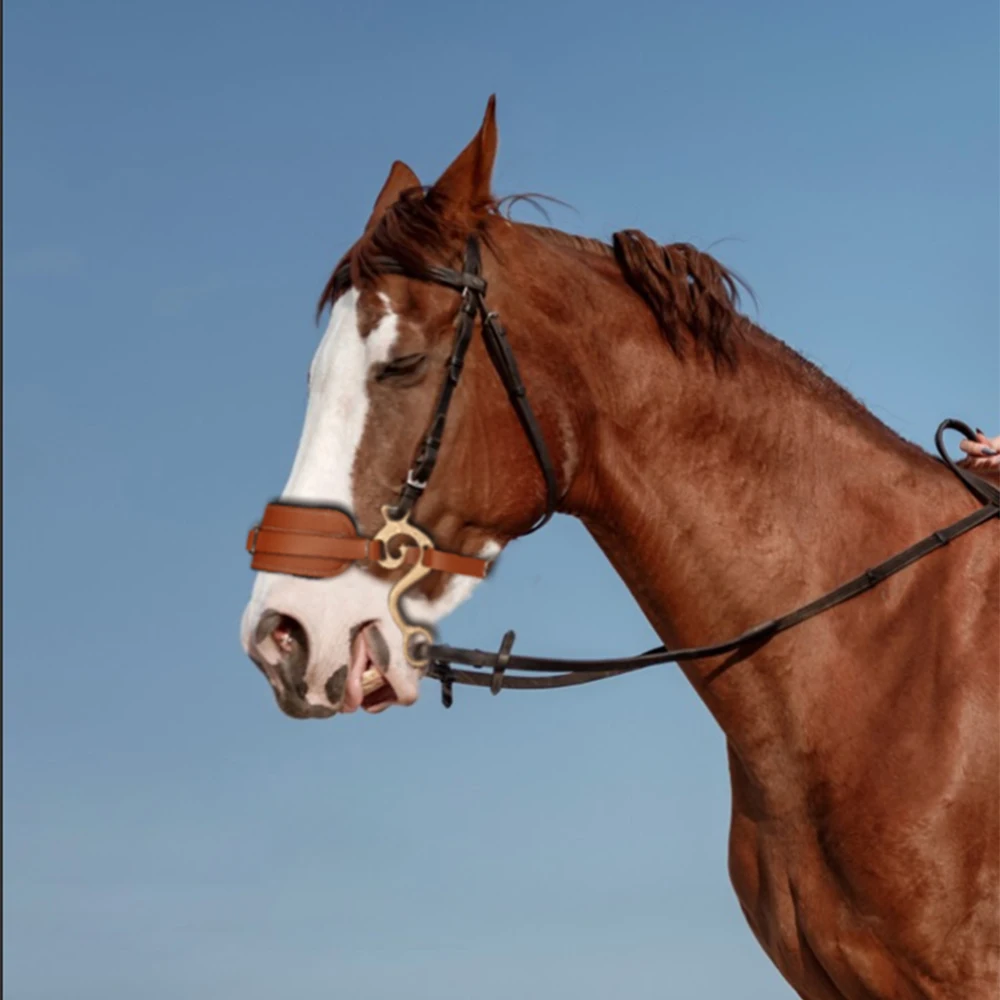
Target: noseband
pixel 318 541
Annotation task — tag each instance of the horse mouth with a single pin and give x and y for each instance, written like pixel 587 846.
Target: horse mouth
pixel 367 686
pixel 378 692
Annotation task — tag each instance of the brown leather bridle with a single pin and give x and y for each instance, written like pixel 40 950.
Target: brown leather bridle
pixel 318 541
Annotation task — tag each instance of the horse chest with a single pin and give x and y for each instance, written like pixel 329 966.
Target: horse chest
pixel 804 918
pixel 768 873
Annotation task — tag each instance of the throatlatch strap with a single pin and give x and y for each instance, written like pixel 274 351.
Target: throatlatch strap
pixel 495 338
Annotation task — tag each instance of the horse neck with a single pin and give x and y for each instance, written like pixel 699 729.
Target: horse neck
pixel 726 498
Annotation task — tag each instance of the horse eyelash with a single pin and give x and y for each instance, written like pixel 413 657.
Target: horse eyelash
pixel 408 364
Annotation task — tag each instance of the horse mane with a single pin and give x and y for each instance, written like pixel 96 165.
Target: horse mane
pixel 684 288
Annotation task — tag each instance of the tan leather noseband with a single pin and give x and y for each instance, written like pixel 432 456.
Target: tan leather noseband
pixel 322 542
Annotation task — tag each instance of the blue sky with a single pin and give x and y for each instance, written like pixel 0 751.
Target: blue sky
pixel 179 180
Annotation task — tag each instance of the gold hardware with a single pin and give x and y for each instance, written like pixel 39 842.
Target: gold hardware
pixel 395 528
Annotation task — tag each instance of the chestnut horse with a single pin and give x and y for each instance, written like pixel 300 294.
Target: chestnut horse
pixel 727 480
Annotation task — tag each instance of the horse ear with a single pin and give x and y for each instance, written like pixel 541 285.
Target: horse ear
pixel 465 185
pixel 400 179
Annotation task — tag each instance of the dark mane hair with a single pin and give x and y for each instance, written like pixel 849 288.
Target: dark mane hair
pixel 684 288
pixel 414 231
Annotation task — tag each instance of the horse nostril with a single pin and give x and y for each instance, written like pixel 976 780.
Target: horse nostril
pixel 282 644
pixel 336 685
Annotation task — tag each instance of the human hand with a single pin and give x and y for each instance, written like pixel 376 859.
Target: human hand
pixel 984 452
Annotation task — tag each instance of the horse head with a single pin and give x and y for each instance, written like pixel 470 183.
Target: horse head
pixel 328 644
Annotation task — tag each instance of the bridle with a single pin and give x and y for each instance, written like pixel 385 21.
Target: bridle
pixel 320 541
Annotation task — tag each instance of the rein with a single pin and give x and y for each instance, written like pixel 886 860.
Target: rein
pixel 318 541
pixel 586 671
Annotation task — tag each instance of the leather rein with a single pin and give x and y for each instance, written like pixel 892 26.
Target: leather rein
pixel 320 541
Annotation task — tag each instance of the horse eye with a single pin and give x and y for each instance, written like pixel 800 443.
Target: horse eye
pixel 410 365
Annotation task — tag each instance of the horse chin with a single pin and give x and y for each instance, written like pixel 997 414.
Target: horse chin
pixel 401 686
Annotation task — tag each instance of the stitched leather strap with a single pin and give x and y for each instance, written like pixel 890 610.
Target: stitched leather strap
pixel 502 357
pixel 321 542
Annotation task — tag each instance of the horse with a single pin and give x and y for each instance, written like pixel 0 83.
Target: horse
pixel 726 479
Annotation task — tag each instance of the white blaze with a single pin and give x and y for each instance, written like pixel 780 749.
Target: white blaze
pixel 338 405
